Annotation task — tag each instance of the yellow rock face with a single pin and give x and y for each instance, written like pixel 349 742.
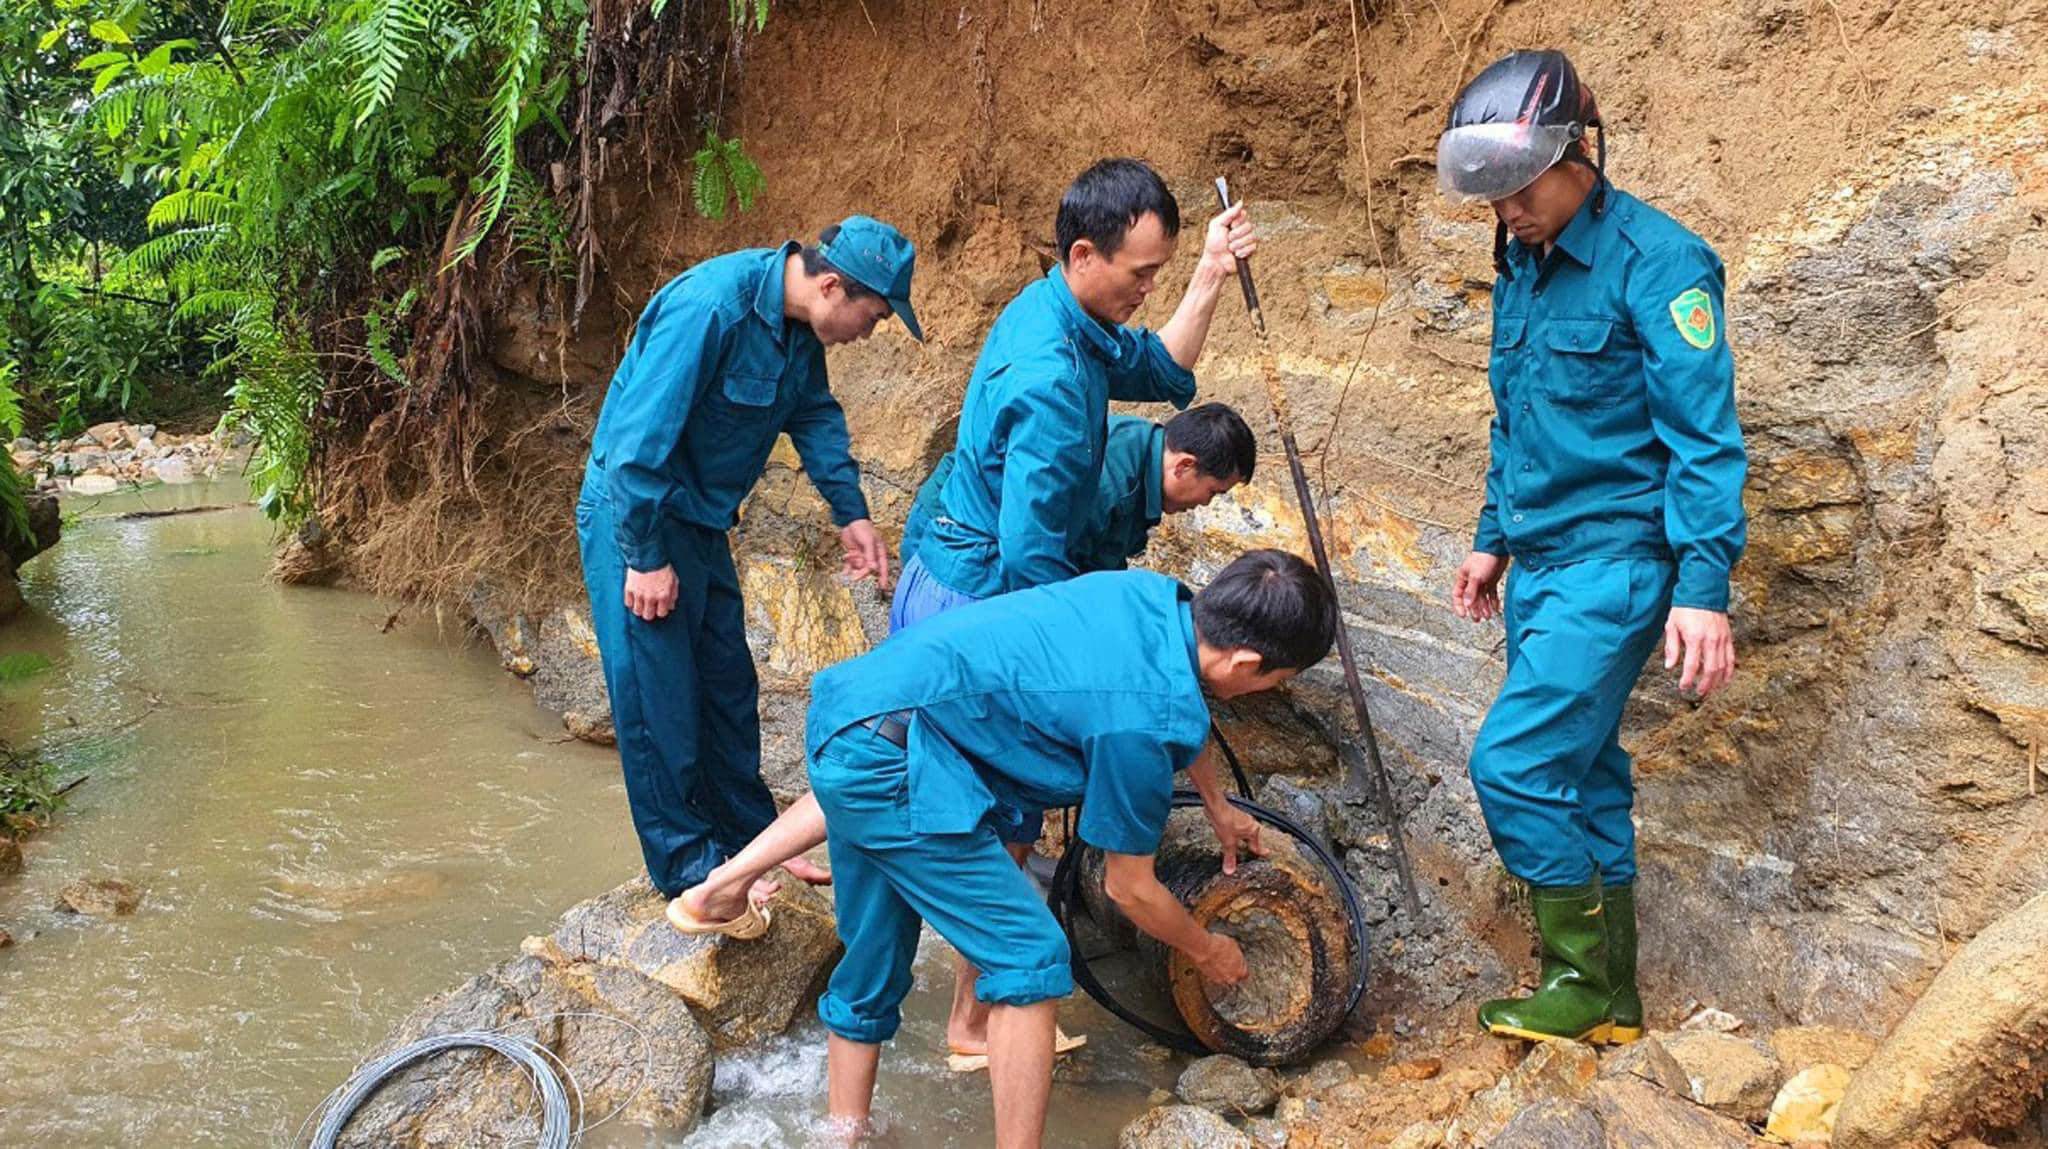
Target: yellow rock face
pixel 1805 1108
pixel 809 612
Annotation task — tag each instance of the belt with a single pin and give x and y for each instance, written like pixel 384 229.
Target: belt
pixel 892 727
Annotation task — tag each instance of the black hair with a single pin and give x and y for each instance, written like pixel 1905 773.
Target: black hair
pixel 815 265
pixel 1219 440
pixel 1272 603
pixel 1106 201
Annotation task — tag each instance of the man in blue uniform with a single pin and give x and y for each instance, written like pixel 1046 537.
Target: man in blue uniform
pixel 1615 487
pixel 1149 470
pixel 1088 691
pixel 727 356
pixel 1033 425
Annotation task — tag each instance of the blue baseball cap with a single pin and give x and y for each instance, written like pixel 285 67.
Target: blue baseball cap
pixel 877 257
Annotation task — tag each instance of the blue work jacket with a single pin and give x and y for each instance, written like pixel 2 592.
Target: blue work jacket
pixel 1614 431
pixel 1029 452
pixel 1128 498
pixel 714 373
pixel 1086 691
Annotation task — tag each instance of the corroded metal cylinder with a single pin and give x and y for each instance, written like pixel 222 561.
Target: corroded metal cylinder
pixel 1284 910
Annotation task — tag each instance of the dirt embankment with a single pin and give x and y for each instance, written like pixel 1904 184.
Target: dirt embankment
pixel 1818 838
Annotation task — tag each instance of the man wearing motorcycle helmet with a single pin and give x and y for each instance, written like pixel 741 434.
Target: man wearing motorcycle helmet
pixel 1614 488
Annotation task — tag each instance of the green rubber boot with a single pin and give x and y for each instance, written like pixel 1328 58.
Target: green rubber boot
pixel 1572 1002
pixel 1625 1008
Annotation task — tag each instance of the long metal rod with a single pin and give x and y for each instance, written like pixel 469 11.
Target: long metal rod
pixel 1277 397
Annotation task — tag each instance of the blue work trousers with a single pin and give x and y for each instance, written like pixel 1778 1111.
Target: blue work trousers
pixel 685 702
pixel 1551 775
pixel 887 878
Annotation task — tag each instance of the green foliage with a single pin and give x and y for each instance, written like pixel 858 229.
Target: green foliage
pixel 14 521
pixel 22 666
pixel 723 172
pixel 252 174
pixel 11 424
pixel 28 788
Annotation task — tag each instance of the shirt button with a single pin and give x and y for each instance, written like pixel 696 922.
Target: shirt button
pixel 1525 408
pixel 1525 466
pixel 1518 518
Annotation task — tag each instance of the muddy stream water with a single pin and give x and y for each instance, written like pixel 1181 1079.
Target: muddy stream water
pixel 331 823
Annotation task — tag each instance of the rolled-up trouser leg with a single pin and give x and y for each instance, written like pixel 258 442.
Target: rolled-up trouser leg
pixel 886 877
pixel 1577 638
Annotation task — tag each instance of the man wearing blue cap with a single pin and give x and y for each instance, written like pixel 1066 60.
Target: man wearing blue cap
pixel 726 357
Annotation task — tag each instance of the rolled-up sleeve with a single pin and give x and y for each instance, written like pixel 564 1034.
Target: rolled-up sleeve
pixel 1675 301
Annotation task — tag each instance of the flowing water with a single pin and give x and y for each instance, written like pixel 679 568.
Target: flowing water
pixel 330 823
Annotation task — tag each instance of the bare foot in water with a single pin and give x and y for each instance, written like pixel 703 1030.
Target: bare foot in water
pixel 808 872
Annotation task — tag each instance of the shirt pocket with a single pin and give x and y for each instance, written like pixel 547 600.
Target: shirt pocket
pixel 1588 366
pixel 744 396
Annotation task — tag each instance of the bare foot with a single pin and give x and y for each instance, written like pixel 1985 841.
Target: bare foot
pixel 762 890
pixel 720 906
pixel 960 1039
pixel 808 872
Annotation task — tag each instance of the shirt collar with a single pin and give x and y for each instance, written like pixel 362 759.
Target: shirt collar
pixel 1093 333
pixel 1577 238
pixel 1154 481
pixel 768 299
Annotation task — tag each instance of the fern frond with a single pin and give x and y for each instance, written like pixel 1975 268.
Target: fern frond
pixel 519 35
pixel 156 255
pixel 383 38
pixel 215 305
pixel 189 206
pixel 10 401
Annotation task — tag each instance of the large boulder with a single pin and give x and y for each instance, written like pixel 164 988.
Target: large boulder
pixel 742 991
pixel 1971 1055
pixel 619 1034
pixel 632 1008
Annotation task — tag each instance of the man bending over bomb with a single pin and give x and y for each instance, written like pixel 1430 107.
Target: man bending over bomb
pixel 1091 692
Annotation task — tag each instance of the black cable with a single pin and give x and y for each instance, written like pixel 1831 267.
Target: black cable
pixel 1244 784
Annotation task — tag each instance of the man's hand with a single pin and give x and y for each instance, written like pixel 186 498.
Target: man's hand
pixel 1235 830
pixel 1702 639
pixel 866 553
pixel 1476 595
pixel 1228 240
pixel 1220 960
pixel 651 594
